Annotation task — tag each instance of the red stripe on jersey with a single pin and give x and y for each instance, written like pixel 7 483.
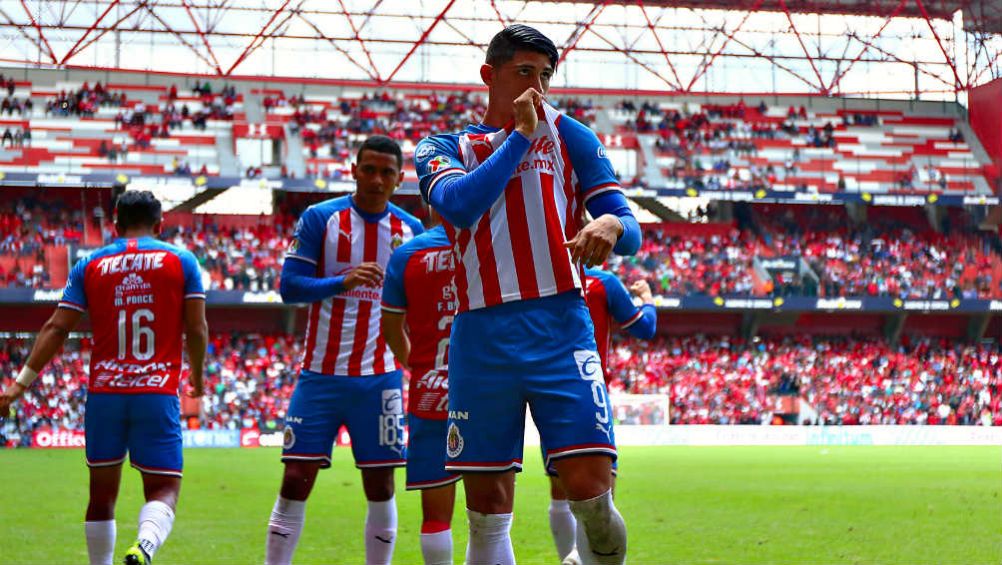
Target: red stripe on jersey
pixel 482 148
pixel 379 360
pixel 333 336
pixel 563 276
pixel 344 236
pixel 369 254
pixel 311 327
pixel 459 247
pixel 488 266
pixel 518 227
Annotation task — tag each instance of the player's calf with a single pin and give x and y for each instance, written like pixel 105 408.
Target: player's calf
pixel 601 535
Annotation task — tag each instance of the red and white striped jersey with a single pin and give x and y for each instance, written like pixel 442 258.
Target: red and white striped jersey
pixel 343 335
pixel 515 251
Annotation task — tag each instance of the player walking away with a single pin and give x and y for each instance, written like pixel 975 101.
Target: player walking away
pixel 418 290
pixel 511 192
pixel 608 301
pixel 335 263
pixel 141 294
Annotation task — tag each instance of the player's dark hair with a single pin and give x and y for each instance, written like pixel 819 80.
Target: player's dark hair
pixel 137 209
pixel 382 144
pixel 520 37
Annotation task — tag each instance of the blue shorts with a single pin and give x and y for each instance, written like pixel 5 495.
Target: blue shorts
pixel 146 426
pixel 538 352
pixel 426 454
pixel 371 408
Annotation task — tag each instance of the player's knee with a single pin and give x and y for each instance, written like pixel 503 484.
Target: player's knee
pixel 489 493
pixel 557 490
pixel 297 481
pixel 585 477
pixel 378 484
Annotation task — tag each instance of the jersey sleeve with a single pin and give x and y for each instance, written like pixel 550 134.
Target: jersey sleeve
pixel 307 240
pixel 436 158
pixel 394 294
pixel 74 296
pixel 620 304
pixel 192 276
pixel 588 158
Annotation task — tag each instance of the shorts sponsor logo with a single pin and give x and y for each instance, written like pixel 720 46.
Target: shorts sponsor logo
pixel 454 441
pixel 288 438
pixel 589 365
pixel 459 415
pixel 392 401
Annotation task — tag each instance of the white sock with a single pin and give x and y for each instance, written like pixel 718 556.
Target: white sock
pixel 284 527
pixel 380 531
pixel 100 541
pixel 490 539
pixel 437 548
pixel 155 522
pixel 601 530
pixel 563 527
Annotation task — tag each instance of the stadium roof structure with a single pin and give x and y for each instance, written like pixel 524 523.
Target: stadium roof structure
pixel 889 48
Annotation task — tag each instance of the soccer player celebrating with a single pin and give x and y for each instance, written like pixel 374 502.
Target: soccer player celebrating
pixel 608 302
pixel 335 263
pixel 512 192
pixel 142 294
pixel 418 292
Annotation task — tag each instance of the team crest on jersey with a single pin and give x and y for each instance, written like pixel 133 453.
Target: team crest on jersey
pixel 424 152
pixel 396 242
pixel 438 163
pixel 288 437
pixel 454 441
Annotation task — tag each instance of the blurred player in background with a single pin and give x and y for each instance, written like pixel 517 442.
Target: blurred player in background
pixel 142 295
pixel 419 301
pixel 335 263
pixel 512 191
pixel 608 302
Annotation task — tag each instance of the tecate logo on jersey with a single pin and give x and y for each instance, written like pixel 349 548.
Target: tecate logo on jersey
pixel 132 262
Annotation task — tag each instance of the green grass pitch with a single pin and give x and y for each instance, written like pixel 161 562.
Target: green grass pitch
pixel 682 505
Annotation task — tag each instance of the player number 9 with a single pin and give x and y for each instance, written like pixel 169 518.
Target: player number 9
pixel 598 397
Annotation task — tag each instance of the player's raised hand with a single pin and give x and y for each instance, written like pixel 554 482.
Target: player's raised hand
pixel 8 397
pixel 642 290
pixel 593 244
pixel 525 106
pixel 366 274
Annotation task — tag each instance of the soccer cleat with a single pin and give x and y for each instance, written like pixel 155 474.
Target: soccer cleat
pixel 136 556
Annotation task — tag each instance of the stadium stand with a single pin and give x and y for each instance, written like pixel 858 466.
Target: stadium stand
pixel 131 129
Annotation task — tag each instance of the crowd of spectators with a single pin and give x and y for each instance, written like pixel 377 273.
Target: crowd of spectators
pixel 839 380
pixel 708 379
pixel 247 258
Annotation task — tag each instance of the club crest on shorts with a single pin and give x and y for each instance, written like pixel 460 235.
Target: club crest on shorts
pixel 454 441
pixel 288 438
